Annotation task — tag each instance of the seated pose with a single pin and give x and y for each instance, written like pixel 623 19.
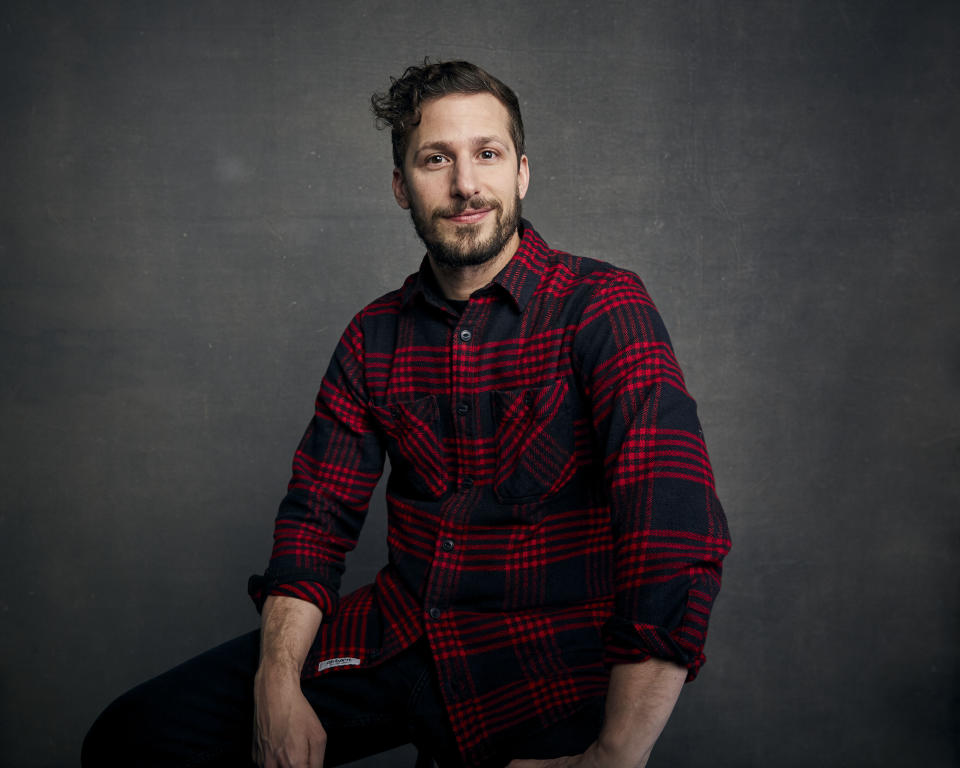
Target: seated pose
pixel 555 541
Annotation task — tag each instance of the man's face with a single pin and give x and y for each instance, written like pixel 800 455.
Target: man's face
pixel 461 180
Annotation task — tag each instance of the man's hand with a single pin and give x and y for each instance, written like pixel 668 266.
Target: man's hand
pixel 594 757
pixel 287 732
pixel 639 702
pixel 587 760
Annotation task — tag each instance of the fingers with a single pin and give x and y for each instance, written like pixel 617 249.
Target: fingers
pixel 316 746
pixel 311 757
pixel 286 731
pixel 557 762
pixel 306 754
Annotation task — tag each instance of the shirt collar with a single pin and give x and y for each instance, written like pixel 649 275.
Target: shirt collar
pixel 518 279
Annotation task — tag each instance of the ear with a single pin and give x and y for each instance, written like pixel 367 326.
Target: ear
pixel 400 189
pixel 523 177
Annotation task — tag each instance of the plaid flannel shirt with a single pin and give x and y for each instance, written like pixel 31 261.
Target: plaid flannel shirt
pixel 551 505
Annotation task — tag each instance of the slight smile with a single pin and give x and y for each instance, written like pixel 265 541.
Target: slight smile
pixel 470 216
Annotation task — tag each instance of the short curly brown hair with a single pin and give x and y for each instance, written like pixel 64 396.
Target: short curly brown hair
pixel 399 107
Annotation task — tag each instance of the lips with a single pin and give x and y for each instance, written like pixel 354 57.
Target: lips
pixel 469 216
pixel 472 211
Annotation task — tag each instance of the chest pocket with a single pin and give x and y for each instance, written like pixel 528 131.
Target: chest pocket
pixel 534 441
pixel 414 446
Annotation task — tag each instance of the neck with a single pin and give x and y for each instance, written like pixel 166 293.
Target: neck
pixel 458 283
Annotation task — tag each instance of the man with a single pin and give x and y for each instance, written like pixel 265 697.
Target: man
pixel 554 536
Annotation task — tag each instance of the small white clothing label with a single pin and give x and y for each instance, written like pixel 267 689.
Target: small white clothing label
pixel 342 661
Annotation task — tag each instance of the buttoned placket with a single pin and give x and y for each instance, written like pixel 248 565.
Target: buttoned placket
pixel 463 354
pixel 448 550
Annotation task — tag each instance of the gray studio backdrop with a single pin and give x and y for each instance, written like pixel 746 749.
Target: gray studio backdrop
pixel 194 201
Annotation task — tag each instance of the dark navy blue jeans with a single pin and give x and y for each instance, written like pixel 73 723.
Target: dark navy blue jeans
pixel 201 714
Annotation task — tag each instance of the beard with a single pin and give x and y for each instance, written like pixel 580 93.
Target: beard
pixel 466 248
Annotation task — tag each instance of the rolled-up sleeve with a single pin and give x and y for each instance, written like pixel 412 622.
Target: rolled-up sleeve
pixel 335 470
pixel 670 532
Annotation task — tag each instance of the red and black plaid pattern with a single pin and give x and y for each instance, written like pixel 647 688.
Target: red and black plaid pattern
pixel 551 504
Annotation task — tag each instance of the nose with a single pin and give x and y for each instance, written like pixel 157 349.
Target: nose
pixel 464 183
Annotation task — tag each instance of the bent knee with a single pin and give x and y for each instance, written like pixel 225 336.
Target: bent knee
pixel 109 739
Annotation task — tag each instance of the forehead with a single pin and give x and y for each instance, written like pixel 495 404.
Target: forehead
pixel 461 117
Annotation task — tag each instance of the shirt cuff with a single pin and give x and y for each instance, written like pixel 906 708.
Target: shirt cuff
pixel 301 584
pixel 628 643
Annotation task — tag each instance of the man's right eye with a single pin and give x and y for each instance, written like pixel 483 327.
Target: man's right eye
pixel 434 159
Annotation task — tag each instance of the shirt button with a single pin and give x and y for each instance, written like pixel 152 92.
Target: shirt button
pixel 465 335
pixel 467 482
pixel 463 409
pixel 435 613
pixel 447 545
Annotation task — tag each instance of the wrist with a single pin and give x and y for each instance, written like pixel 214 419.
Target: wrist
pixel 279 669
pixel 619 752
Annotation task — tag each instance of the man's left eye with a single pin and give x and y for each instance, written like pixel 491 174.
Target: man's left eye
pixel 487 154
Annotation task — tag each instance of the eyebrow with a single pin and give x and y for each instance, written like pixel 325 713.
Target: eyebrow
pixel 444 146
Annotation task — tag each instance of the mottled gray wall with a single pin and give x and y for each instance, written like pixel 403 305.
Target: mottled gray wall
pixel 194 200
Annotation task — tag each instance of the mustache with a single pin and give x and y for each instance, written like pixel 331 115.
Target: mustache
pixel 474 203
